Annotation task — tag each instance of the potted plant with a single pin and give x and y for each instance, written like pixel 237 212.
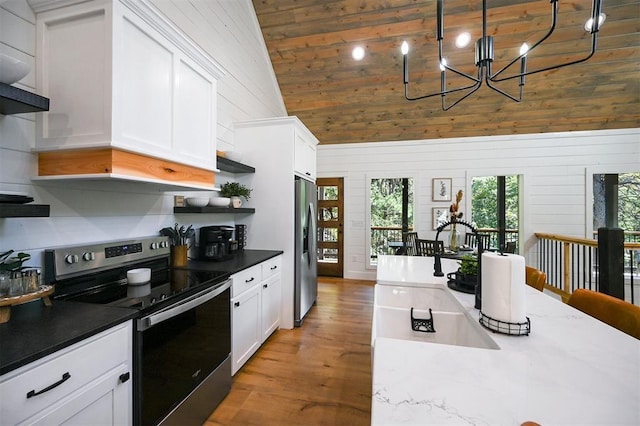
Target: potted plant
pixel 235 190
pixel 467 274
pixel 9 266
pixel 13 263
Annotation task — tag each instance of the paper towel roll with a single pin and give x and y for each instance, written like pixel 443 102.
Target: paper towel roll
pixel 503 287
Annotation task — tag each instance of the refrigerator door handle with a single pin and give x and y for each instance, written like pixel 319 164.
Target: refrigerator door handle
pixel 310 232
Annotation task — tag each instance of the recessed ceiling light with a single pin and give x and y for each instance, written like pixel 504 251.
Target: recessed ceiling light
pixel 463 40
pixel 357 53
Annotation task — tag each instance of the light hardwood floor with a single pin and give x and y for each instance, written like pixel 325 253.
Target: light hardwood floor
pixel 318 374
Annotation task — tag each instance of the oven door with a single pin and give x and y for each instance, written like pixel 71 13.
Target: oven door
pixel 177 349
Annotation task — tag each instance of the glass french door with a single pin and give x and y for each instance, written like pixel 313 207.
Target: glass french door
pixel 330 227
pixel 495 210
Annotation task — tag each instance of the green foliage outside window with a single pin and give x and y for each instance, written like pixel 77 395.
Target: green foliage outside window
pixel 386 212
pixel 484 203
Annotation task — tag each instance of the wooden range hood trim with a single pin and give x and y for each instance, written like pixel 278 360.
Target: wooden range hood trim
pixel 104 163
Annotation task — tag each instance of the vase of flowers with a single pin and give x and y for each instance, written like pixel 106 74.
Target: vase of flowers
pixel 455 238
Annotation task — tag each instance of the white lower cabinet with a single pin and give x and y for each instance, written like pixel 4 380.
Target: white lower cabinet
pixel 245 325
pixel 271 297
pixel 255 309
pixel 86 383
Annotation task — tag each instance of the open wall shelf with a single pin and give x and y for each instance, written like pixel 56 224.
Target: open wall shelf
pixel 24 210
pixel 231 166
pixel 208 209
pixel 17 101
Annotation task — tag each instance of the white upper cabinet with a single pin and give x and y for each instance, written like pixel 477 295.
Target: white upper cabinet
pixel 291 143
pixel 120 75
pixel 305 155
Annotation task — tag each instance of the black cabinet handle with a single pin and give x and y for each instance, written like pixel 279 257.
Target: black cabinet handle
pixel 265 285
pixel 274 267
pixel 249 280
pixel 124 377
pixel 66 376
pixel 236 304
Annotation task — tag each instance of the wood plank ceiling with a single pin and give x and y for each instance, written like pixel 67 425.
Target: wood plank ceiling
pixel 342 100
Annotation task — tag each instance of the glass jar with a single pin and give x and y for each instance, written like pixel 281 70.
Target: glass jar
pixel 31 280
pixel 15 284
pixel 455 239
pixel 5 283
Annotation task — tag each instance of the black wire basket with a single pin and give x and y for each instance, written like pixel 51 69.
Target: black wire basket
pixel 503 327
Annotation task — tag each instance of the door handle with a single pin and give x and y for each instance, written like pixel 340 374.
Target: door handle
pixel 66 376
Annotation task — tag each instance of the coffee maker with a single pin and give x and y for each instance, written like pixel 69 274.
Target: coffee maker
pixel 215 242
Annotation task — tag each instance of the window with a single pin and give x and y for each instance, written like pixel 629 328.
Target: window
pixel 391 213
pixel 487 209
pixel 616 203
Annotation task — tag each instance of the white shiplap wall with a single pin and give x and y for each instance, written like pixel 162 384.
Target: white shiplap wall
pixel 89 212
pixel 554 169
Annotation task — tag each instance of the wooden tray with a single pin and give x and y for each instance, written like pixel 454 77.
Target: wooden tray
pixel 7 302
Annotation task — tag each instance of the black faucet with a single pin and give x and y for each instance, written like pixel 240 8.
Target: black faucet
pixel 437 264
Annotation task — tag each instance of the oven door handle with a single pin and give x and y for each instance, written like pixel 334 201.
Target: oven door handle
pixel 190 303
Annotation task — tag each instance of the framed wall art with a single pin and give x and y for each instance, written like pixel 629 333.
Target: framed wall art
pixel 441 189
pixel 436 213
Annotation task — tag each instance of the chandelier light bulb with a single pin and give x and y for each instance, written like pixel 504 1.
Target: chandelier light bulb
pixel 588 26
pixel 357 53
pixel 443 64
pixel 463 40
pixel 404 48
pixel 524 49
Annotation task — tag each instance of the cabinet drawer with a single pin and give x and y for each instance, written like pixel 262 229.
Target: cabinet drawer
pixel 245 279
pixel 271 267
pixel 83 363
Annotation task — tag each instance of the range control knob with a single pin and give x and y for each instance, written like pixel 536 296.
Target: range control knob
pixel 164 244
pixel 153 246
pixel 88 256
pixel 71 259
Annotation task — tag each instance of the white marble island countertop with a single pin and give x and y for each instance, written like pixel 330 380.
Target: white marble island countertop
pixel 571 370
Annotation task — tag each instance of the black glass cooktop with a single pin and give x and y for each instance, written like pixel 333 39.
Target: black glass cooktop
pixel 111 287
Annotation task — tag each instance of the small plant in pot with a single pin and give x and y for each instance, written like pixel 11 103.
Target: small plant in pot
pixel 467 273
pixel 235 190
pixel 13 263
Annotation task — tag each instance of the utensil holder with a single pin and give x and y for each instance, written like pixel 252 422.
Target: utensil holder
pixel 179 256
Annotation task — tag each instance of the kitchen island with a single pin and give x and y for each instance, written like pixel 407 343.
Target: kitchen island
pixel 571 368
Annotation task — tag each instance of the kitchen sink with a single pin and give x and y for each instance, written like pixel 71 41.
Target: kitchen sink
pixel 452 323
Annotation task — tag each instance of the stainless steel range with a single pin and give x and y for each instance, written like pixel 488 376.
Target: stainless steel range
pixel 182 333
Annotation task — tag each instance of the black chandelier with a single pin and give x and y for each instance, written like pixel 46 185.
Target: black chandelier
pixel 484 55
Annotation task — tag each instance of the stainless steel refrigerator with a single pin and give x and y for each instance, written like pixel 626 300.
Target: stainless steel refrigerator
pixel 306 270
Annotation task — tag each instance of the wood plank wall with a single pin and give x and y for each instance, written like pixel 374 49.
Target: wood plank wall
pixel 347 101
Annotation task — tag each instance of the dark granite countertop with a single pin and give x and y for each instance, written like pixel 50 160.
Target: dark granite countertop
pixel 241 260
pixel 35 331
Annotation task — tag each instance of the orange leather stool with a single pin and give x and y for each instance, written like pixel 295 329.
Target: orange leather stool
pixel 617 313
